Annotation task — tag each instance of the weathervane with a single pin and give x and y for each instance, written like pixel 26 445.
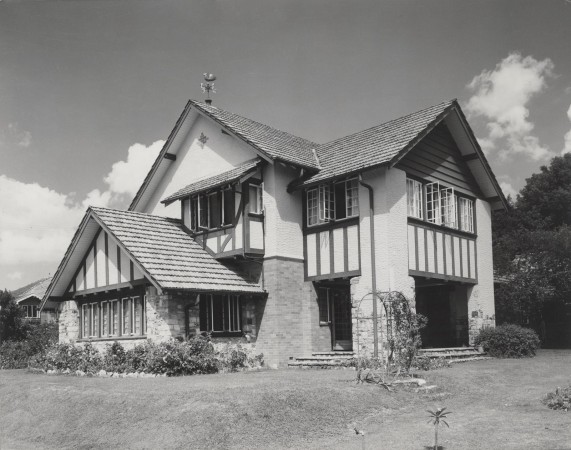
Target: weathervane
pixel 208 87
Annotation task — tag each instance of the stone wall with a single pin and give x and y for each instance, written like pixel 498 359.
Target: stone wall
pixel 69 322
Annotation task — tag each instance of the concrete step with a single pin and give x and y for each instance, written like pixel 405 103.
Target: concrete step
pixel 323 360
pixel 334 353
pixel 451 353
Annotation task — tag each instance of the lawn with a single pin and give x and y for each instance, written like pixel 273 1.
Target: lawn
pixel 495 404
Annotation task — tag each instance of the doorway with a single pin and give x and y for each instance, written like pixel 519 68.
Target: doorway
pixel 335 309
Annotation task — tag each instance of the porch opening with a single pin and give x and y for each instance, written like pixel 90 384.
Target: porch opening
pixel 445 305
pixel 334 299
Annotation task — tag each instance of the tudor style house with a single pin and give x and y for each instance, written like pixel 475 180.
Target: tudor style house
pixel 250 233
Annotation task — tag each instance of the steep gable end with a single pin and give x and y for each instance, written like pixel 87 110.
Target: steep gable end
pixel 437 158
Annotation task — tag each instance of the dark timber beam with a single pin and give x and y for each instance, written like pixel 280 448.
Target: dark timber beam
pixel 170 156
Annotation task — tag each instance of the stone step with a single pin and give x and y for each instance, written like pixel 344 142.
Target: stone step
pixel 324 358
pixel 334 353
pixel 473 358
pixel 451 353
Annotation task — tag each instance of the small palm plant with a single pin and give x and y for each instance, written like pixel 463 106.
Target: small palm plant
pixel 436 417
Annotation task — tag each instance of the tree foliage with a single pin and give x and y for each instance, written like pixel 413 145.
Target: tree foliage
pixel 12 326
pixel 532 247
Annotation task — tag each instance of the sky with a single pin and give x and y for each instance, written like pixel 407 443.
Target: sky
pixel 90 89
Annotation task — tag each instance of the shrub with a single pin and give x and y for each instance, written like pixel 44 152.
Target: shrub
pixel 426 363
pixel 115 358
pixel 508 341
pixel 37 337
pixel 14 354
pixel 560 399
pixel 233 357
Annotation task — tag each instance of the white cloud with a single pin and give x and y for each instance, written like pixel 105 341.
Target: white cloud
pixel 125 177
pixel 508 189
pixel 567 145
pixel 15 275
pixel 37 223
pixel 14 136
pixel 501 97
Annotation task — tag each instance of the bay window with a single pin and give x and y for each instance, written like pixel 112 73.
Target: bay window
pixel 31 311
pixel 123 317
pixel 210 211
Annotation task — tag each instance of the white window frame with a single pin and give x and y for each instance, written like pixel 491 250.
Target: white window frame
pixel 351 193
pixel 466 208
pixel 326 203
pixel 415 198
pixel 256 205
pixel 433 203
pixel 449 212
pixel 312 207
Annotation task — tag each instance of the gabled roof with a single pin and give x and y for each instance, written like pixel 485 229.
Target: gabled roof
pixel 168 256
pixel 377 145
pixel 271 142
pixel 224 178
pixel 36 289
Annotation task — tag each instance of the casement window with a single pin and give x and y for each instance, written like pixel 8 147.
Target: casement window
pixel 255 192
pixel 220 313
pixel 113 318
pixel 210 211
pixel 347 199
pixel 328 202
pixel 31 311
pixel 440 205
pixel 414 198
pixel 466 207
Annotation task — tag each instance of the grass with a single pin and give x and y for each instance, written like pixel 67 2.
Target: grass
pixel 495 404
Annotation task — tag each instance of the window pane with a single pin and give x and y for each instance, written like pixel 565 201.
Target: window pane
pixel 229 206
pixel 126 316
pixel 466 214
pixel 85 321
pixel 448 200
pixel 312 207
pixel 352 195
pixel 138 316
pixel 203 211
pixel 323 304
pixel 326 203
pixel 215 207
pixel 104 318
pixel 255 200
pixel 193 213
pixel 433 213
pixel 114 320
pixel 204 307
pixel 340 201
pixel 218 312
pixel 414 198
pixel 95 320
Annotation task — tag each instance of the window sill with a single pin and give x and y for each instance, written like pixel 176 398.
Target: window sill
pixel 217 334
pixel 259 215
pixel 338 223
pixel 113 338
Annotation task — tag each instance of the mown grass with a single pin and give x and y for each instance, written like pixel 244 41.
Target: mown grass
pixel 495 404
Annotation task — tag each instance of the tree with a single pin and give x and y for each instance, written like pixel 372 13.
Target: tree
pixel 12 326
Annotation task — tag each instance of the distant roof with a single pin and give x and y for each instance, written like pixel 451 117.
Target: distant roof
pixel 375 146
pixel 276 144
pixel 36 289
pixel 224 178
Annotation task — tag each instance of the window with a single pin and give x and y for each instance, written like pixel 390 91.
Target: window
pixel 414 198
pixel 220 313
pixel 324 306
pixel 31 311
pixel 466 214
pixel 326 203
pixel 443 206
pixel 255 200
pixel 113 318
pixel 213 210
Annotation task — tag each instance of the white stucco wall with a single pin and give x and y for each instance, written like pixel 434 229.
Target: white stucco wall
pixel 195 161
pixel 283 213
pixel 481 306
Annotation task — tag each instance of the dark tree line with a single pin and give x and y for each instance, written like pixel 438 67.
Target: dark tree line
pixel 532 254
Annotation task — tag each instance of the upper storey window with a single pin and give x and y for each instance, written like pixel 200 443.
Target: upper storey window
pixel 213 210
pixel 255 201
pixel 329 202
pixel 439 205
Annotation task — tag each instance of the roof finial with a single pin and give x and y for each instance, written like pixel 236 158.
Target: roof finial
pixel 208 87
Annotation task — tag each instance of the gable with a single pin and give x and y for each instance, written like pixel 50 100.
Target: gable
pixel 437 158
pixel 105 264
pixel 195 160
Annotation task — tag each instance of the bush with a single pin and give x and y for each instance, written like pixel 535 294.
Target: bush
pixel 560 399
pixel 36 338
pixel 426 363
pixel 508 341
pixel 233 357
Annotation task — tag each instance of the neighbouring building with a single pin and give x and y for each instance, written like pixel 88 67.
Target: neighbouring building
pixel 29 298
pixel 252 234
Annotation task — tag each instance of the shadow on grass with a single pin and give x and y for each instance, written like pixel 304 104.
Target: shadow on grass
pixel 431 447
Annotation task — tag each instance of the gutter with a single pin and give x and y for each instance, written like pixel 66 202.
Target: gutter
pixel 373 266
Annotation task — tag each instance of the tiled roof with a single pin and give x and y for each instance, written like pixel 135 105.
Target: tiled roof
pixel 35 289
pixel 377 145
pixel 169 255
pixel 215 181
pixel 271 142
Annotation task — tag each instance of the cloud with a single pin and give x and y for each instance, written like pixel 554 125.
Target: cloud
pixel 14 136
pixel 125 177
pixel 501 97
pixel 508 189
pixel 15 275
pixel 37 223
pixel 567 138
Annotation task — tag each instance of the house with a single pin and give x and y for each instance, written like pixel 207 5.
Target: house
pixel 255 235
pixel 29 298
